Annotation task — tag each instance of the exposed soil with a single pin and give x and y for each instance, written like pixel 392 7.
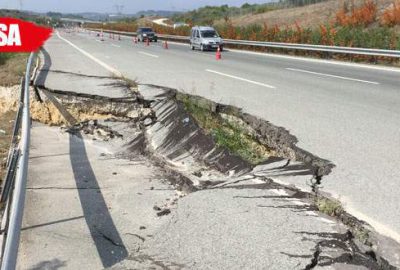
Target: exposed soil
pixel 6 126
pixel 8 105
pixel 306 16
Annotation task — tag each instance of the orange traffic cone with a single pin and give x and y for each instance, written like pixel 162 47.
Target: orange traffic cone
pixel 165 45
pixel 134 40
pixel 218 55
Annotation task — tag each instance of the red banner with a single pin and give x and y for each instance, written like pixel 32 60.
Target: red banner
pixel 20 36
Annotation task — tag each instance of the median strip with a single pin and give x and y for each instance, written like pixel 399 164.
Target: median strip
pixel 332 76
pixel 241 79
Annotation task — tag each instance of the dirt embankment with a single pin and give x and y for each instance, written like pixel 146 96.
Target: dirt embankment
pixel 11 71
pixel 307 16
pixel 8 105
pixel 6 124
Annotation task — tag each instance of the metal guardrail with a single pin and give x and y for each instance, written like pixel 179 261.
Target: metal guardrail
pixel 277 45
pixel 13 193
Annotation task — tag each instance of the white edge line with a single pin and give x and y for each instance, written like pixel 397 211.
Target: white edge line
pixel 378 226
pixel 149 54
pixel 330 75
pixel 112 44
pixel 241 79
pixel 101 63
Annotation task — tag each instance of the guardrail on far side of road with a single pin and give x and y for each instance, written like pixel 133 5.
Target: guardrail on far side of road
pixel 277 45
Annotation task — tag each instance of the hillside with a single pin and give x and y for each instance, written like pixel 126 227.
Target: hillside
pixel 306 16
pixel 353 23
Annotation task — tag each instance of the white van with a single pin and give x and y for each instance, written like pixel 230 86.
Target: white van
pixel 205 38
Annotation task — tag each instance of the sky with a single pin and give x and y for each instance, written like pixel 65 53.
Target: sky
pixel 107 6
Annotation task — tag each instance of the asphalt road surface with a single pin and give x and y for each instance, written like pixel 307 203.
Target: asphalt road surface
pixel 346 113
pixel 94 201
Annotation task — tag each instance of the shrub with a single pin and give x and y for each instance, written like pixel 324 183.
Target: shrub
pixel 4 57
pixel 361 16
pixel 391 16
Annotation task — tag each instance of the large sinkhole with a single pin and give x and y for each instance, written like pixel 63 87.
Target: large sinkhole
pixel 175 124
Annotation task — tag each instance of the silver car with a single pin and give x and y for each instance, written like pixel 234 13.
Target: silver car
pixel 205 38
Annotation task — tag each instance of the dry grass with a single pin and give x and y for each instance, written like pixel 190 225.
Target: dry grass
pixel 391 16
pixel 8 105
pixel 307 16
pixel 13 69
pixel 6 125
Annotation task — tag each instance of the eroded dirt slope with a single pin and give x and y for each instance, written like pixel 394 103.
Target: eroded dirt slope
pixel 307 16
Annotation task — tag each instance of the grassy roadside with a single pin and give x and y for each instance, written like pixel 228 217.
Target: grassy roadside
pixel 226 131
pixel 12 67
pixel 6 124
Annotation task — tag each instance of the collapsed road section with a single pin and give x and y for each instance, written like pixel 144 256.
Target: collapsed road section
pixel 148 178
pixel 127 176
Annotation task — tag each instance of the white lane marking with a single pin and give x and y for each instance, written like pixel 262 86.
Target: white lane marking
pixel 241 79
pixel 101 63
pixel 320 61
pixel 377 225
pixel 149 54
pixel 330 75
pixel 112 44
pixel 304 59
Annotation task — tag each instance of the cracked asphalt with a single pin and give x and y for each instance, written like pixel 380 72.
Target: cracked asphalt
pixel 90 207
pixel 351 119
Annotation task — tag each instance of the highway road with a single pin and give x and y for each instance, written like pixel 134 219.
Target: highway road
pixel 346 113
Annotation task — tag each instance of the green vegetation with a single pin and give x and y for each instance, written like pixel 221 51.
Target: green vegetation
pixel 35 18
pixel 4 57
pixel 379 37
pixel 225 133
pixel 12 68
pixel 329 207
pixel 299 3
pixel 209 14
pixel 6 124
pixel 359 26
pixel 362 234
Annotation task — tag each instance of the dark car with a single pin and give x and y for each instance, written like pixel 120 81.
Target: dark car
pixel 146 33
